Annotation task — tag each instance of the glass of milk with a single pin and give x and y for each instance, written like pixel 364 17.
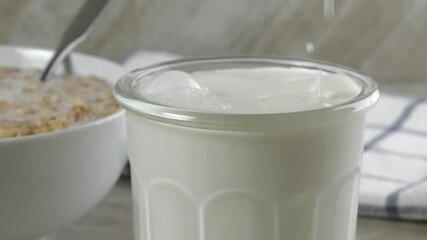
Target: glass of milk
pixel 245 148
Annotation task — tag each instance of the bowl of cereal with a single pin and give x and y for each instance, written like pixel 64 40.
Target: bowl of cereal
pixel 62 142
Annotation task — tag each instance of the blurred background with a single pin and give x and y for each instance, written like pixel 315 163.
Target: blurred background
pixel 386 39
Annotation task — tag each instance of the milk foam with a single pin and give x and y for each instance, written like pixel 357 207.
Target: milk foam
pixel 254 90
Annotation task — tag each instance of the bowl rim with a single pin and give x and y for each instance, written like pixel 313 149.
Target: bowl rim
pixel 83 126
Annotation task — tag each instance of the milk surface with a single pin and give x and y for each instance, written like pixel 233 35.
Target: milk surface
pixel 256 90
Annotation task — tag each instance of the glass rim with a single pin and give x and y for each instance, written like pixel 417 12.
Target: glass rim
pixel 125 93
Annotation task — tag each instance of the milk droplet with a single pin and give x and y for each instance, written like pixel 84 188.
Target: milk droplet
pixel 309 46
pixel 328 9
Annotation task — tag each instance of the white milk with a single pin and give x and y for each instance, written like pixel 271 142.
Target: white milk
pixel 292 178
pixel 257 90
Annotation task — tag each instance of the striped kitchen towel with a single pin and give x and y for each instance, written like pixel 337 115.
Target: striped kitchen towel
pixel 394 169
pixel 394 172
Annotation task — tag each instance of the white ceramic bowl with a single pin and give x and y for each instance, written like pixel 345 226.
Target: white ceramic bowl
pixel 50 180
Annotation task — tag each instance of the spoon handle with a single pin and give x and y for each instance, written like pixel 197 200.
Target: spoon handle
pixel 76 32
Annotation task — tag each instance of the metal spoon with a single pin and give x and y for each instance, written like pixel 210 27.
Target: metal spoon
pixel 76 33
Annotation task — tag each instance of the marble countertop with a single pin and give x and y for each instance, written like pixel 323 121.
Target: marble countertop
pixel 112 220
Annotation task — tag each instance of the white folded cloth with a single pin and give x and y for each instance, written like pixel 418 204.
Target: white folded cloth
pixel 394 171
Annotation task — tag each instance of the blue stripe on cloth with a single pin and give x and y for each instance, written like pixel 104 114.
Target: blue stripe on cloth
pixel 402 130
pixel 406 113
pixel 369 210
pixel 392 207
pixel 384 179
pixel 406 156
